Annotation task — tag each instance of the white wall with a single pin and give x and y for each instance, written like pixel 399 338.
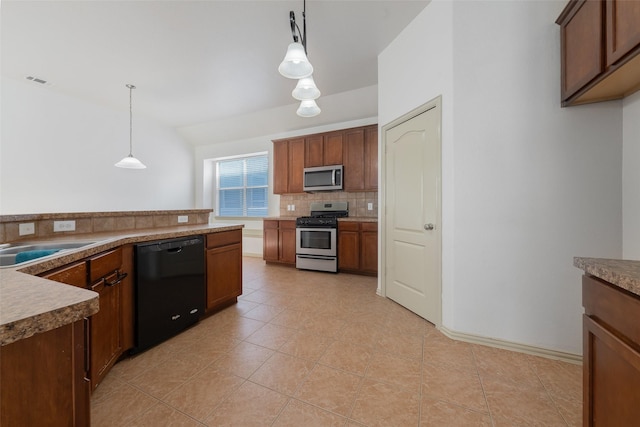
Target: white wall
pixel 527 185
pixel 57 155
pixel 631 177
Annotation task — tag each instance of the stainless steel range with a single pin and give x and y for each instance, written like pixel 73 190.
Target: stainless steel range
pixel 317 236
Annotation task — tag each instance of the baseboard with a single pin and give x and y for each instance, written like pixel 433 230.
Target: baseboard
pixel 247 254
pixel 252 232
pixel 508 345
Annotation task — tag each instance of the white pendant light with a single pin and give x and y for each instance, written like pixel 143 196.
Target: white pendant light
pixel 308 108
pixel 306 89
pixel 295 64
pixel 130 162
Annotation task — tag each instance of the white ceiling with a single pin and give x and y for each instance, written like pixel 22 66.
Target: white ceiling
pixel 194 61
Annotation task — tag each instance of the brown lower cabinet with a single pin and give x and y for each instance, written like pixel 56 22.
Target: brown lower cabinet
pixel 279 241
pixel 43 379
pixel 611 354
pixel 102 273
pixel 105 330
pixel 358 247
pixel 224 268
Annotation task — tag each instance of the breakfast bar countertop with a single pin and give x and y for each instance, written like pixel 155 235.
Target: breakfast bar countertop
pixel 30 304
pixel 624 274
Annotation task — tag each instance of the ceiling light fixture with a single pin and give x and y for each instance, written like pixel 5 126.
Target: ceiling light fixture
pixel 296 65
pixel 130 162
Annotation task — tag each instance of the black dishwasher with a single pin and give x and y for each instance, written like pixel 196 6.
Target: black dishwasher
pixel 170 288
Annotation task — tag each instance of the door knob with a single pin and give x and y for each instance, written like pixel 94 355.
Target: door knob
pixel 429 226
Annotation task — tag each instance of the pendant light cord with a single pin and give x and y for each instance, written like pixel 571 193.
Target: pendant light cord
pixel 131 87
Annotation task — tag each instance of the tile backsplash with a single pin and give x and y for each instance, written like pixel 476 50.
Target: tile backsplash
pixel 358 202
pixel 97 222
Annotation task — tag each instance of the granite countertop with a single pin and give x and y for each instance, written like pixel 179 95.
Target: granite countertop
pixel 31 304
pixel 622 273
pixel 359 219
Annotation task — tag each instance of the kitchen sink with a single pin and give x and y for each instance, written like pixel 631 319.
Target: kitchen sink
pixel 35 250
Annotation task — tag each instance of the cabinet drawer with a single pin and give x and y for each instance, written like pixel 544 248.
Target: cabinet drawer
pixel 270 223
pixel 224 238
pixel 613 307
pixel 348 226
pixel 104 263
pixel 74 274
pixel 369 226
pixel 288 224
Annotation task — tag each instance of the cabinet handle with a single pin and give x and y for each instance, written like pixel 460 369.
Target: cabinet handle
pixel 119 278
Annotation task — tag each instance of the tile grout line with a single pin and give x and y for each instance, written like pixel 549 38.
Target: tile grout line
pixel 484 391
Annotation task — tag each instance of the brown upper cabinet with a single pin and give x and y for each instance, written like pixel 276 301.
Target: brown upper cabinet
pixel 288 165
pixel 360 156
pixel 600 50
pixel 323 149
pixel 356 149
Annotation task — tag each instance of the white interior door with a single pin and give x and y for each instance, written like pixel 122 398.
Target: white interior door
pixel 412 273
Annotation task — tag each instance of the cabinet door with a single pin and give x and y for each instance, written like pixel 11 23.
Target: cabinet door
pixel 288 242
pixel 280 167
pixel 270 244
pixel 105 329
pixel 353 157
pixel 348 246
pixel 333 148
pixel 623 28
pixel 582 40
pixel 371 158
pixel 224 274
pixel 369 247
pixel 43 380
pixel 296 165
pixel 127 300
pixel 611 378
pixel 313 151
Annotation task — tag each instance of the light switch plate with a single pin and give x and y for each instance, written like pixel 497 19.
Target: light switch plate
pixel 183 218
pixel 26 228
pixel 370 206
pixel 64 225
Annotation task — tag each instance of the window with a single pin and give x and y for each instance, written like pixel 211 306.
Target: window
pixel 243 186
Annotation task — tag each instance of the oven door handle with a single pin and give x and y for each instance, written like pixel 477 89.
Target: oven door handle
pixel 316 257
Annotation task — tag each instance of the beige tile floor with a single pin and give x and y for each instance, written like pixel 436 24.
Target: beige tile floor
pixel 316 349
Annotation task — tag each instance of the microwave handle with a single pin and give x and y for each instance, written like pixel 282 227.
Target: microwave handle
pixel 333 177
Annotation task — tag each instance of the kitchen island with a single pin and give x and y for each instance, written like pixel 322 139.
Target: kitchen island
pixel 46 327
pixel 611 341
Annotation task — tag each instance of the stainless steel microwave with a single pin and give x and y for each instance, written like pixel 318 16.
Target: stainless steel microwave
pixel 323 178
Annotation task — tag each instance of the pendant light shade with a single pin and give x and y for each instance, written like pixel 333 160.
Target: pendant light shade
pixel 308 108
pixel 295 64
pixel 306 89
pixel 130 162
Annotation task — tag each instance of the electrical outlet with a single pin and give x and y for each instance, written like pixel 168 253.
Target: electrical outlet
pixel 183 218
pixel 293 207
pixel 26 228
pixel 64 225
pixel 370 206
